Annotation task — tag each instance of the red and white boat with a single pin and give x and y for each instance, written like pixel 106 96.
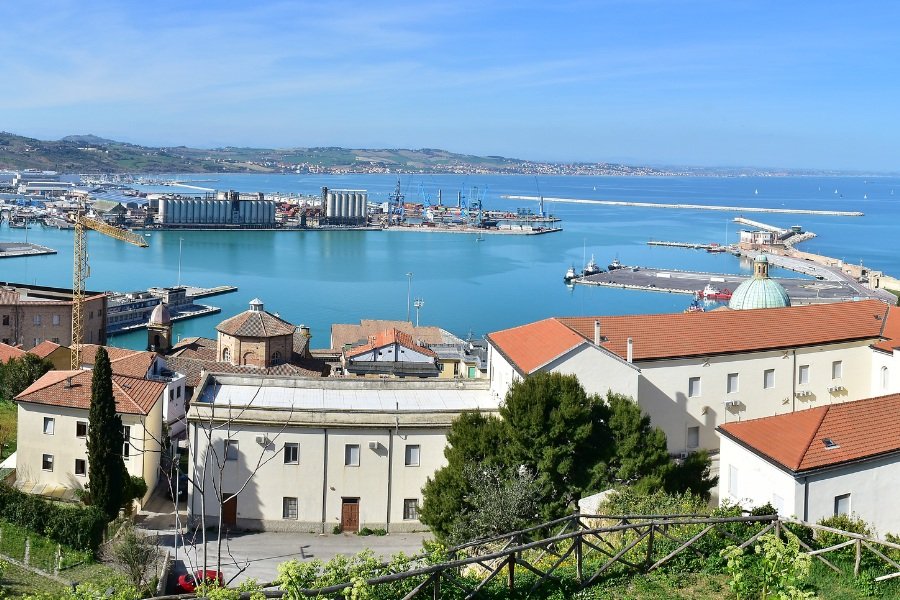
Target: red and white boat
pixel 711 292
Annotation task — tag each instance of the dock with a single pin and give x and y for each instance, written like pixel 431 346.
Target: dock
pixel 737 209
pixel 800 291
pixel 691 246
pixel 197 310
pixel 18 249
pixel 201 292
pixel 475 230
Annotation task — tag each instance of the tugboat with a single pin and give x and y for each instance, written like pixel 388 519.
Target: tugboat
pixel 570 275
pixel 615 264
pixel 592 268
pixel 711 292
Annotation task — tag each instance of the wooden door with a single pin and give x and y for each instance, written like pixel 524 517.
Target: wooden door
pixel 229 511
pixel 350 514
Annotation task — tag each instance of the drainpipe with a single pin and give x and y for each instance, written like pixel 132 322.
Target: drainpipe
pixel 630 354
pixel 794 382
pixel 806 498
pixel 390 479
pixel 596 333
pixel 324 480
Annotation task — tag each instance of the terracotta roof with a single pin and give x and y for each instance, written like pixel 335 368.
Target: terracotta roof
pixel 131 363
pixel 7 352
pixel 530 347
pixel 196 348
pixel 733 331
pixel 45 348
pixel 344 334
pixel 133 395
pixel 891 332
pixel 386 338
pixel 192 368
pixel 255 323
pixel 858 429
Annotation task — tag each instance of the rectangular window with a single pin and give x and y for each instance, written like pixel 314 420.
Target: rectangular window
pixel 81 429
pixel 693 387
pixel 178 392
pixel 693 437
pixel 49 425
pixel 126 447
pixel 6 320
pixel 36 319
pixel 351 455
pixel 768 379
pixel 47 462
pixel 171 395
pixel 803 374
pixel 56 319
pixel 291 454
pixel 231 449
pixel 733 481
pixel 80 467
pixel 837 369
pixel 289 508
pixel 732 383
pixel 412 455
pixel 842 504
pixel 410 509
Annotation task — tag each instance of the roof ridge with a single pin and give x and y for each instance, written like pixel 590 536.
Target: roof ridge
pixel 812 437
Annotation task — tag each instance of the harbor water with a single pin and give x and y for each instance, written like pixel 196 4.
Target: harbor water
pixel 470 285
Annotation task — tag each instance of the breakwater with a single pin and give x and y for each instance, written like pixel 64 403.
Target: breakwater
pixel 740 209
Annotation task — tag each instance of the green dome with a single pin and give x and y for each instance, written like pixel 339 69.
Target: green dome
pixel 759 291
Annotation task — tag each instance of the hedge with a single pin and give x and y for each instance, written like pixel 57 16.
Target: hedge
pixel 77 527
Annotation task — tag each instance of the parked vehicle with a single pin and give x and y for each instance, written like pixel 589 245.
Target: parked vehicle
pixel 187 582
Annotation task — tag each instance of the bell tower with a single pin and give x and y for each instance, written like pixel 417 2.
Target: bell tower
pixel 159 330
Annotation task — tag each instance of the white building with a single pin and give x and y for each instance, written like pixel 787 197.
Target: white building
pixel 693 372
pixel 308 454
pixel 816 463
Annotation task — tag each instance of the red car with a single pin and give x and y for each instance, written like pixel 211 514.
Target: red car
pixel 187 582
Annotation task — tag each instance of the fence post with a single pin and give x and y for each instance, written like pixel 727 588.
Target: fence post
pixel 58 559
pixel 437 586
pixel 578 562
pixel 858 558
pixel 511 564
pixel 27 550
pixel 649 560
pixel 778 528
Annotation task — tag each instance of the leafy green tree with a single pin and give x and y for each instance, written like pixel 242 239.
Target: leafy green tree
pixel 18 373
pixel 640 457
pixel 499 500
pixel 555 429
pixel 105 441
pixel 691 475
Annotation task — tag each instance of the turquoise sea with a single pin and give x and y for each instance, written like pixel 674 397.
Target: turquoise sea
pixel 468 286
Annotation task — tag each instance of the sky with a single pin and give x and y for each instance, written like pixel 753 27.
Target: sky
pixel 663 82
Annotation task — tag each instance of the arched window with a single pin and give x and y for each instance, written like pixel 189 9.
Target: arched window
pixel 226 355
pixel 276 357
pixel 885 378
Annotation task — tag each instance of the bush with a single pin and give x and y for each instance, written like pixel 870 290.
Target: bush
pixel 78 527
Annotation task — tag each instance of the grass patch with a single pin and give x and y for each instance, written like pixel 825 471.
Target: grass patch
pixel 896 293
pixel 43 553
pixel 19 582
pixel 9 414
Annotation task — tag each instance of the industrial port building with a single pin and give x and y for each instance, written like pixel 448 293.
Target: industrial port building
pixel 345 207
pixel 228 209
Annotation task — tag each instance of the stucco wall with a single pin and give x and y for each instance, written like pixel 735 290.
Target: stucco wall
pixel 889 364
pixel 55 322
pixel 757 481
pixel 597 371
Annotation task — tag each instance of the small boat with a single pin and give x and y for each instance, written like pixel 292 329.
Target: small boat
pixel 615 264
pixel 755 192
pixel 711 292
pixel 695 307
pixel 570 274
pixel 714 247
pixel 591 268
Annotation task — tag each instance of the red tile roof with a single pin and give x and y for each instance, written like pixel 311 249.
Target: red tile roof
pixel 73 389
pixel 386 338
pixel 530 347
pixel 131 363
pixel 891 332
pixel 695 334
pixel 7 352
pixel 860 429
pixel 45 348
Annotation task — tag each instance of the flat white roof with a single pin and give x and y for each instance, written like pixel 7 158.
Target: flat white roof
pixel 331 397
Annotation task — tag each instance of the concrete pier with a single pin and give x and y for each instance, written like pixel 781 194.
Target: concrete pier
pixel 16 249
pixel 738 209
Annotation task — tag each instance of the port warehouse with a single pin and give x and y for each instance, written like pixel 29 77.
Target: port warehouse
pixel 228 209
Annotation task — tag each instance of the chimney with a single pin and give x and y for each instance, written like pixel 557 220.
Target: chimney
pixel 630 354
pixel 597 333
pixel 68 382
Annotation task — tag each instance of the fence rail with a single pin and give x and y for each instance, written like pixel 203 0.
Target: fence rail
pixel 593 544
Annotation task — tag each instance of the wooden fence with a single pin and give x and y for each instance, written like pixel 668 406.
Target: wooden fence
pixel 593 544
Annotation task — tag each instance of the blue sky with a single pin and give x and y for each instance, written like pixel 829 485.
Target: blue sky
pixel 794 84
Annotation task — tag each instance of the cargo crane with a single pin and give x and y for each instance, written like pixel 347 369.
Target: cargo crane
pixel 395 205
pixel 82 270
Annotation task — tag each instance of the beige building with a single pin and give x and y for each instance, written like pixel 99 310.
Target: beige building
pixel 51 454
pixel 698 371
pixel 315 454
pixel 30 314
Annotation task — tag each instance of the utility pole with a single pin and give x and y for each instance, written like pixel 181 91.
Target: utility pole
pixel 419 303
pixel 408 295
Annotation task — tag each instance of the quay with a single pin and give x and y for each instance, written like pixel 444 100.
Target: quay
pixel 800 291
pixel 129 311
pixel 691 246
pixel 476 230
pixel 17 249
pixel 197 310
pixel 200 292
pixel 739 209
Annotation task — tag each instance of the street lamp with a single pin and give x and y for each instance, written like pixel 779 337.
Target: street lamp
pixel 419 303
pixel 408 294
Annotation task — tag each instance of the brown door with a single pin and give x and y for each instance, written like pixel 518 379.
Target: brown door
pixel 229 511
pixel 350 514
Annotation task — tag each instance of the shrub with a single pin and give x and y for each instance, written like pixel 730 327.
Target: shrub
pixel 78 527
pixel 775 569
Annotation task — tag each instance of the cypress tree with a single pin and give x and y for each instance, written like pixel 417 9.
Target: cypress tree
pixel 105 440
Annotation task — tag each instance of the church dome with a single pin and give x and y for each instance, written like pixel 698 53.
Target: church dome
pixel 759 291
pixel 160 315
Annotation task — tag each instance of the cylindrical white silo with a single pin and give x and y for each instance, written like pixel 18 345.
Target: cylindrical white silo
pixel 345 205
pixel 365 206
pixel 332 200
pixel 177 205
pixel 255 217
pixel 360 205
pixel 162 211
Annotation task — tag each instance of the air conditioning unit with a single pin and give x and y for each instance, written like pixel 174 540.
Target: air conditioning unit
pixel 262 440
pixel 683 455
pixel 732 403
pixel 373 445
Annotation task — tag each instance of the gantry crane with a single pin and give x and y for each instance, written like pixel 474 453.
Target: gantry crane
pixel 82 270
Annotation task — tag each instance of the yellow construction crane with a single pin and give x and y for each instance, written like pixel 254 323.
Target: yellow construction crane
pixel 82 270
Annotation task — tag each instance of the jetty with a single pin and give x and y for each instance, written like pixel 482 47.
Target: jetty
pixel 737 209
pixel 201 292
pixel 691 245
pixel 18 249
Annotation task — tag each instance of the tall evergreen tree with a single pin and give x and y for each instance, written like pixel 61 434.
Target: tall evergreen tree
pixel 105 441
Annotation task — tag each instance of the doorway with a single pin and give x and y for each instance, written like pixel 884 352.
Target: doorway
pixel 229 511
pixel 350 514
